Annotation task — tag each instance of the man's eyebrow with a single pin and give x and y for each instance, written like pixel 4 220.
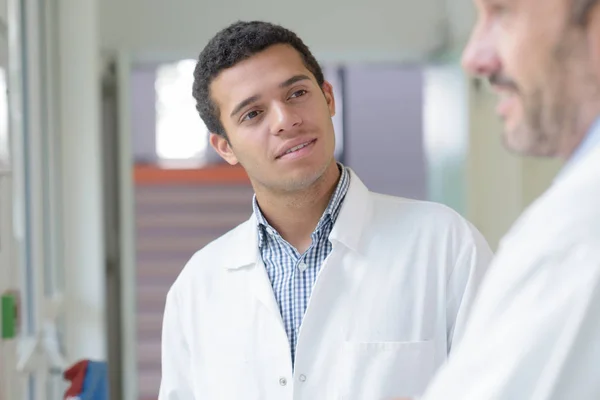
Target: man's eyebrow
pixel 252 99
pixel 243 104
pixel 292 80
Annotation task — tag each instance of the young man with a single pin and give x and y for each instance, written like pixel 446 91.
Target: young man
pixel 328 291
pixel 534 333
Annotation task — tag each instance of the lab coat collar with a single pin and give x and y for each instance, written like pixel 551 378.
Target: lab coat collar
pixel 586 164
pixel 355 213
pixel 247 251
pixel 348 230
pixel 589 145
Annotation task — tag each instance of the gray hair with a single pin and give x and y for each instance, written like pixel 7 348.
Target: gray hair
pixel 580 10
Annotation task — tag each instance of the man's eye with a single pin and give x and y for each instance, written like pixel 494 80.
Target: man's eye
pixel 298 93
pixel 251 115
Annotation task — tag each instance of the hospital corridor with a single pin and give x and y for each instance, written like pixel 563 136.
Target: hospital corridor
pixel 111 183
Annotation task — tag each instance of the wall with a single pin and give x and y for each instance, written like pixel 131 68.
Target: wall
pixel 143 118
pixel 538 175
pixel 8 281
pixel 500 185
pixel 461 17
pixel 336 30
pixel 3 34
pixel 494 193
pixel 384 128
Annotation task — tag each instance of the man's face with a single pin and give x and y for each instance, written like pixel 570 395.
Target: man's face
pixel 537 60
pixel 277 119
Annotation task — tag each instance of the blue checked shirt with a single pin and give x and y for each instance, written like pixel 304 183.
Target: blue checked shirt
pixel 293 274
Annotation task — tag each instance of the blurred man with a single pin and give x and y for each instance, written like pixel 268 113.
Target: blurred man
pixel 328 291
pixel 535 329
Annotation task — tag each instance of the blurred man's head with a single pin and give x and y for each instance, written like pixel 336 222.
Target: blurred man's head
pixel 262 95
pixel 543 58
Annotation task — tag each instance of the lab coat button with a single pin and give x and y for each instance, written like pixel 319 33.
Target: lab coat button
pixel 302 378
pixel 282 381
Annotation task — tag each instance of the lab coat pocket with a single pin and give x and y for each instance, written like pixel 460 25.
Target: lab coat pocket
pixel 384 370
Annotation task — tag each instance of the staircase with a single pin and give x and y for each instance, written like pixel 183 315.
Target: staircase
pixel 173 221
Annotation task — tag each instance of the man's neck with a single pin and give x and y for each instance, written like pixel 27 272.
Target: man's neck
pixel 295 216
pixel 572 144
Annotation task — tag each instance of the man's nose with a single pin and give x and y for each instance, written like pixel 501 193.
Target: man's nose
pixel 284 118
pixel 480 57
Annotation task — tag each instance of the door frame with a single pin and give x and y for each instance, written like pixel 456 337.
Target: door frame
pixel 11 382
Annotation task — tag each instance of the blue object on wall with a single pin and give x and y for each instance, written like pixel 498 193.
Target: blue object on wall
pixel 95 385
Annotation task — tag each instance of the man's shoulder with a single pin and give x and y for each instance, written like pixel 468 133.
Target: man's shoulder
pixel 430 223
pixel 425 212
pixel 567 214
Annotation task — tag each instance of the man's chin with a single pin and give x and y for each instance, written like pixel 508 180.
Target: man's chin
pixel 515 140
pixel 526 142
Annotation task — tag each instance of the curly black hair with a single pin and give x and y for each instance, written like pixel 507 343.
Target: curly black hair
pixel 235 43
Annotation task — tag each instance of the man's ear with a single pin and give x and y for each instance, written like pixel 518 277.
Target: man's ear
pixel 328 92
pixel 222 146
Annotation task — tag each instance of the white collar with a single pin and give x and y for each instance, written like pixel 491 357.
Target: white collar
pixel 348 230
pixel 589 143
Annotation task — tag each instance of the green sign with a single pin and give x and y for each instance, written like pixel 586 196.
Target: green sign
pixel 8 312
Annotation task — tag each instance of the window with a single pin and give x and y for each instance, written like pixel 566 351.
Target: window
pixel 180 133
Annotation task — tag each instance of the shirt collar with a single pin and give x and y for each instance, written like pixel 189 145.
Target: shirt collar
pixel 331 212
pixel 591 140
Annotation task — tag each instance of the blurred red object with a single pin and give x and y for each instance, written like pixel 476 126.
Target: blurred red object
pixel 75 374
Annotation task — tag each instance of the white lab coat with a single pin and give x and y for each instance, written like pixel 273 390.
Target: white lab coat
pixel 389 302
pixel 535 329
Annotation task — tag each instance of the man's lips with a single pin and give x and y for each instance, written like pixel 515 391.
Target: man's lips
pixel 297 147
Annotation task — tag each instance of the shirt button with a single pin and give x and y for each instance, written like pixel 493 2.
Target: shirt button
pixel 302 267
pixel 302 378
pixel 282 381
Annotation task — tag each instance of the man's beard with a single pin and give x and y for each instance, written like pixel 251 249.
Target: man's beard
pixel 547 118
pixel 549 111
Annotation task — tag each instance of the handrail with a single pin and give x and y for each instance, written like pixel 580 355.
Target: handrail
pixel 154 175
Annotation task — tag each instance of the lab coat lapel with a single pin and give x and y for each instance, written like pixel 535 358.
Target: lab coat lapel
pixel 263 291
pixel 334 293
pixel 348 232
pixel 356 211
pixel 246 259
